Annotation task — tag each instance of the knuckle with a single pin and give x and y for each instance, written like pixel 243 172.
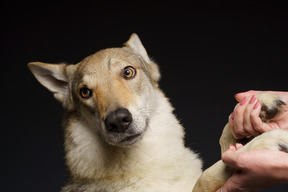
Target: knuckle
pixel 251 91
pixel 259 129
pixel 251 115
pixel 235 135
pixel 238 135
pixel 238 111
pixel 246 128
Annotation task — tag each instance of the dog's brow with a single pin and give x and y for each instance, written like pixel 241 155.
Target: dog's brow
pixel 109 63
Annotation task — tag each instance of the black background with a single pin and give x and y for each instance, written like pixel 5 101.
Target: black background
pixel 207 52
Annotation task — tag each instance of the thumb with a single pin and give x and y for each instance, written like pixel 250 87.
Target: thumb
pixel 229 157
pixel 240 96
pixel 233 183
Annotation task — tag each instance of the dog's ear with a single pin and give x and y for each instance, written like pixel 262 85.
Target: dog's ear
pixel 135 44
pixel 53 76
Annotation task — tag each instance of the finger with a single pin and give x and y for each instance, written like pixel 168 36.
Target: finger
pixel 235 183
pixel 232 148
pixel 234 159
pixel 264 127
pixel 248 114
pixel 247 126
pixel 229 156
pixel 231 121
pixel 238 146
pixel 238 129
pixel 229 185
pixel 256 121
pixel 278 125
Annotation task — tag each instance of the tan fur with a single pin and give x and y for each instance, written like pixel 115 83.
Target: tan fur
pixel 150 155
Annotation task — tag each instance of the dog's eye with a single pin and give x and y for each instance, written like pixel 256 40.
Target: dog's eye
pixel 129 72
pixel 85 92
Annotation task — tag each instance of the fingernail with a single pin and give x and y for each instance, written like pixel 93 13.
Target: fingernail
pixel 232 116
pixel 243 101
pixel 231 146
pixel 253 98
pixel 256 105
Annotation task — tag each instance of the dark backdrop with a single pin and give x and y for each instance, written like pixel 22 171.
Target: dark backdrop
pixel 207 52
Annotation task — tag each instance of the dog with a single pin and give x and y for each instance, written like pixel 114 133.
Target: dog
pixel 120 131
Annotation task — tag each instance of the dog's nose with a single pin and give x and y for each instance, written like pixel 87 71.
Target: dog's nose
pixel 118 120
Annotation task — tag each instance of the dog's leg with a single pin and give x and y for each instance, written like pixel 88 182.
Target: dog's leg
pixel 227 138
pixel 215 176
pixel 271 105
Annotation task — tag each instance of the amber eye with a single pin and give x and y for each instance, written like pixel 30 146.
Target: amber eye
pixel 85 92
pixel 129 72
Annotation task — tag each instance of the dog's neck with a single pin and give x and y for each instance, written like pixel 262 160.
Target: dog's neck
pixel 91 157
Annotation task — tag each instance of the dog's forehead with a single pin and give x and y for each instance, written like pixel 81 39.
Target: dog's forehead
pixel 105 58
pixel 105 64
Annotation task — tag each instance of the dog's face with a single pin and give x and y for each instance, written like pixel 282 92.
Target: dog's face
pixel 112 90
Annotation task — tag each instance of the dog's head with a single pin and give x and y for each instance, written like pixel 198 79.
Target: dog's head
pixel 113 90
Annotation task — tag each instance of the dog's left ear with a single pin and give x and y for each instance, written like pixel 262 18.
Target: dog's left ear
pixel 135 44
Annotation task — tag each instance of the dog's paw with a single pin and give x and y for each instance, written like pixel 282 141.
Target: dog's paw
pixel 276 139
pixel 271 105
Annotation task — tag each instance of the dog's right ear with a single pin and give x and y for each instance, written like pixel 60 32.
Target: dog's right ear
pixel 53 77
pixel 135 44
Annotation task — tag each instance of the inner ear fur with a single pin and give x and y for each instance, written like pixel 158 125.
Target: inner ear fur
pixel 51 76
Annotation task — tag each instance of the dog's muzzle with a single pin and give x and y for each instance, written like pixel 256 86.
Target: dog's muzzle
pixel 119 127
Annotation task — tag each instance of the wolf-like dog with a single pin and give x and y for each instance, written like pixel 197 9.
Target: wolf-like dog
pixel 120 131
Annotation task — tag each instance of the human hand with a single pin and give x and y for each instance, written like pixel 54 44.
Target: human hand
pixel 255 170
pixel 245 120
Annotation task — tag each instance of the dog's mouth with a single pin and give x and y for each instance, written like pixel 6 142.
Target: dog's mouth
pixel 122 139
pixel 131 139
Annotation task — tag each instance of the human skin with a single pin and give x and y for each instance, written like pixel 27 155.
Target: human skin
pixel 245 120
pixel 260 168
pixel 256 170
